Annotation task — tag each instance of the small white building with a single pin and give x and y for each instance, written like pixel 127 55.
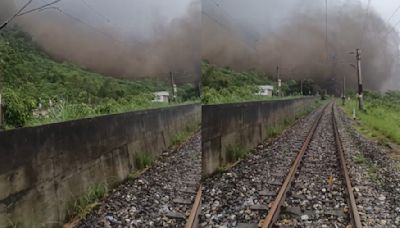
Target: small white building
pixel 161 96
pixel 265 90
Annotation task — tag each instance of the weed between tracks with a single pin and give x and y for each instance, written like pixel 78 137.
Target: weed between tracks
pixel 372 169
pixel 143 160
pixel 235 152
pixel 183 135
pixel 84 205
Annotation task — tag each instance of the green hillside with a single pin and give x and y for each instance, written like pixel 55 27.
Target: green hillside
pixel 39 90
pixel 224 85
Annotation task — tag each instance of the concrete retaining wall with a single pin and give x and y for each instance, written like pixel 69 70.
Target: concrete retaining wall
pixel 242 124
pixel 44 169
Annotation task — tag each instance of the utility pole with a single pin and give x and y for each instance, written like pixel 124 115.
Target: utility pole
pixel 173 87
pixel 279 81
pixel 200 89
pixel 360 87
pixel 301 87
pixel 344 89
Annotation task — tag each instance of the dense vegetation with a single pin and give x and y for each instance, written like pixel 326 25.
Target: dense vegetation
pixel 382 116
pixel 223 85
pixel 39 90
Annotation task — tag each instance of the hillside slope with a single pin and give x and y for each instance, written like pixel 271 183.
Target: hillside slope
pixel 224 85
pixel 39 90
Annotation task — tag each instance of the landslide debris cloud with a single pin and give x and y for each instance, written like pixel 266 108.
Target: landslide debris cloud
pixel 291 34
pixel 129 39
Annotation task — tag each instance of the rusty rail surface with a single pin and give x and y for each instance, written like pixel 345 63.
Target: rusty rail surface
pixel 192 221
pixel 273 213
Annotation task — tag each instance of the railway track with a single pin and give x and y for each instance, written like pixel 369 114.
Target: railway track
pixel 242 195
pixel 317 191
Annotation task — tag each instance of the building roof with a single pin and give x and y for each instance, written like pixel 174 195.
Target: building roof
pixel 266 87
pixel 161 93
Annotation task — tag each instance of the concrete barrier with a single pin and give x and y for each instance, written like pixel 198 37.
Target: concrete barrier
pixel 44 169
pixel 247 124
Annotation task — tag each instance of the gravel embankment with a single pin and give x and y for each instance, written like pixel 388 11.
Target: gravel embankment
pixel 375 177
pixel 161 197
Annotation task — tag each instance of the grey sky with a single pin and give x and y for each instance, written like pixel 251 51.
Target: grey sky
pixel 386 8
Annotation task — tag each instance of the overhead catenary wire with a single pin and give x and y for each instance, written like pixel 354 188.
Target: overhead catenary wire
pixel 222 25
pixel 228 16
pixel 47 4
pixel 365 25
pixel 4 24
pixel 77 19
pixel 392 15
pixel 90 7
pixel 326 29
pixel 392 29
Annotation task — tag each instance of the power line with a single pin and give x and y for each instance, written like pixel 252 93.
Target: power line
pixel 74 18
pixel 391 30
pixel 95 11
pixel 224 27
pixel 391 16
pixel 326 29
pixel 15 15
pixel 365 25
pixel 40 7
pixel 216 21
pixel 231 18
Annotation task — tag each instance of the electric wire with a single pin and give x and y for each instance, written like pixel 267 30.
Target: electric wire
pixel 228 16
pixel 90 7
pixel 365 25
pixel 47 4
pixel 392 15
pixel 4 24
pixel 77 19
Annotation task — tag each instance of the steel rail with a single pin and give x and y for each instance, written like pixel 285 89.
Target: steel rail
pixel 273 213
pixel 192 221
pixel 355 216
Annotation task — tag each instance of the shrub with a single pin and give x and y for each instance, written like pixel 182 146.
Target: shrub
pixel 18 108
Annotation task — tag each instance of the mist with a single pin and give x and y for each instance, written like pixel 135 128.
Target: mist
pixel 125 39
pixel 292 34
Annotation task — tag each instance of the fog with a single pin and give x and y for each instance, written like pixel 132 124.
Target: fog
pixel 126 38
pixel 293 34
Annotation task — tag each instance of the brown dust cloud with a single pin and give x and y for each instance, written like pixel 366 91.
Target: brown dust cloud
pixel 305 38
pixel 130 39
